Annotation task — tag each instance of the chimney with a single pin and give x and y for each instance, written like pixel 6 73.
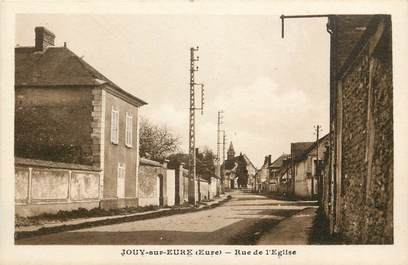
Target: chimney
pixel 43 38
pixel 270 160
pixel 266 162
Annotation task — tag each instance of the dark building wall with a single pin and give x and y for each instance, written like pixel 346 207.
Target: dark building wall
pixel 115 153
pixel 54 123
pixel 362 163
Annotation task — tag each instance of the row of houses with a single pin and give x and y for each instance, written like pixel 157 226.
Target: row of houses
pixel 294 175
pixel 77 139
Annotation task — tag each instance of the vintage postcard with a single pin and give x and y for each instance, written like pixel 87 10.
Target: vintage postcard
pixel 200 131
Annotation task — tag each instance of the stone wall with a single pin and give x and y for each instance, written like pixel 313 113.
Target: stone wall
pixel 47 187
pixel 360 204
pixel 149 181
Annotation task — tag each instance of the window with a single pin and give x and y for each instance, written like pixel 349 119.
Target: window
pixel 121 180
pixel 115 126
pixel 129 129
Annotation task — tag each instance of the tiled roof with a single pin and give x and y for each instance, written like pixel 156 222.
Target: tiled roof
pixel 279 161
pixel 58 66
pixel 297 149
pixel 230 164
pixel 349 29
pixel 300 150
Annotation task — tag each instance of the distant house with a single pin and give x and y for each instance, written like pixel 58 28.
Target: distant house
pixel 270 176
pixel 69 113
pixel 307 158
pixel 262 175
pixel 238 171
pixel 275 168
pixel 284 176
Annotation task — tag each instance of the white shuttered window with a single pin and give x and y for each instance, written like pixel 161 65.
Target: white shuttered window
pixel 129 129
pixel 115 126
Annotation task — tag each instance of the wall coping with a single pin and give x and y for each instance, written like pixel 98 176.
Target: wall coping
pixel 148 162
pixel 19 161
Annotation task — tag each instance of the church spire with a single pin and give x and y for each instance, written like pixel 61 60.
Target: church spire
pixel 231 152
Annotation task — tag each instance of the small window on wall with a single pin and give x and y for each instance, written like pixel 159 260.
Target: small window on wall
pixel 129 129
pixel 121 180
pixel 115 126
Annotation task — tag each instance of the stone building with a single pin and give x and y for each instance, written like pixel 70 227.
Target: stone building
pixel 69 113
pixel 238 171
pixel 358 182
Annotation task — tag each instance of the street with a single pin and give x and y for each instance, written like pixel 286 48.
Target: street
pixel 246 219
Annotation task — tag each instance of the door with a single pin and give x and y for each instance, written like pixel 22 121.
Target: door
pixel 121 180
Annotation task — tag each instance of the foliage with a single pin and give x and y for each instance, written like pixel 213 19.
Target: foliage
pixel 156 142
pixel 205 167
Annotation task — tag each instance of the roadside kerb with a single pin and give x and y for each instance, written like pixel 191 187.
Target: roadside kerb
pixel 109 220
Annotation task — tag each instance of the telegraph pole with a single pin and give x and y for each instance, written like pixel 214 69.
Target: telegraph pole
pixel 219 123
pixel 317 128
pixel 192 149
pixel 224 141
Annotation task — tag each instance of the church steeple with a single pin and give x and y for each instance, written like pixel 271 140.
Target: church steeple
pixel 230 152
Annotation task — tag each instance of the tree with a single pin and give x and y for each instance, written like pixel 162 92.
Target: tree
pixel 205 167
pixel 205 164
pixel 156 142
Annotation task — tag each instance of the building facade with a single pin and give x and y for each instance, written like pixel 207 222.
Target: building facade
pixel 67 112
pixel 306 170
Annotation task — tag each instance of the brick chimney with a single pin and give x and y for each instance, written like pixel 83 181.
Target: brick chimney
pixel 43 38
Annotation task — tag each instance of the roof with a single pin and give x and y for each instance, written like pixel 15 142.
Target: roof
pixel 59 66
pixel 249 162
pixel 349 29
pixel 279 161
pixel 230 164
pixel 300 155
pixel 298 149
pixel 353 34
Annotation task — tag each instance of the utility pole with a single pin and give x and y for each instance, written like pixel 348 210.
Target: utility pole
pixel 317 170
pixel 192 149
pixel 219 123
pixel 224 141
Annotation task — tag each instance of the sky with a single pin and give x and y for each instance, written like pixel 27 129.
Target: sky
pixel 272 90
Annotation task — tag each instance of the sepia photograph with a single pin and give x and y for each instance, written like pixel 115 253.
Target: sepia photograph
pixel 205 133
pixel 172 144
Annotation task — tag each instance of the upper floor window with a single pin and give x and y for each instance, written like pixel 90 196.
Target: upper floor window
pixel 115 126
pixel 129 129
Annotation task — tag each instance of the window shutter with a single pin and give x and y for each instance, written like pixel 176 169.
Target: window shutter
pixel 115 126
pixel 129 129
